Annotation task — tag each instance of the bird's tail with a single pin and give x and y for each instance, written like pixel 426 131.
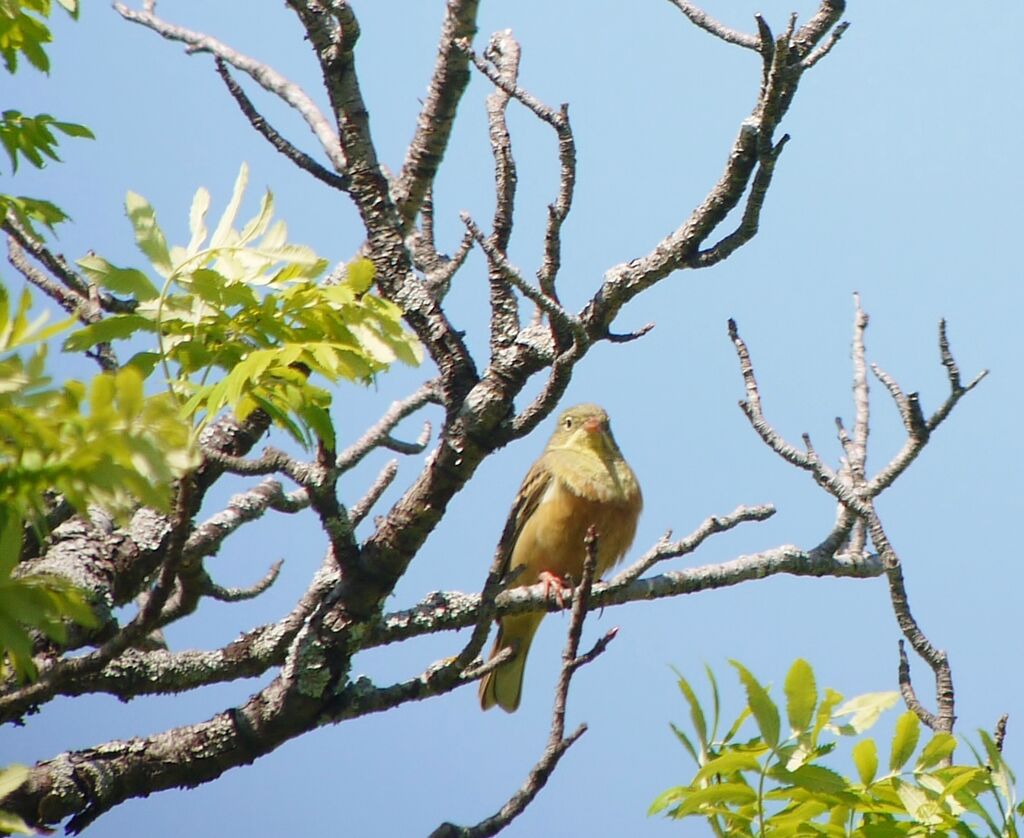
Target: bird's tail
pixel 504 686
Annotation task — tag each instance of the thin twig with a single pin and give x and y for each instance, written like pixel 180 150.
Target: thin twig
pixel 259 122
pixel 558 743
pixel 222 594
pixel 379 434
pixel 264 75
pixel 554 311
pixel 702 19
pixel 362 508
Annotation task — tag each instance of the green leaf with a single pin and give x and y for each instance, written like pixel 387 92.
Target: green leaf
pixel 865 758
pixel 766 714
pixel 148 235
pixel 817 778
pixel 222 235
pixel 197 220
pixel 904 741
pixel 864 711
pixel 359 275
pixel 696 712
pixel 916 802
pixel 113 327
pixel 12 823
pixel 727 764
pixel 11 524
pixel 73 129
pixel 1002 776
pixel 119 280
pixel 686 743
pixel 801 695
pixel 667 798
pixel 718 793
pixel 939 747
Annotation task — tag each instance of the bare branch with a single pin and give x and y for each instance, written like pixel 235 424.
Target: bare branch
pixel 503 52
pixel 207 537
pixel 819 53
pixel 259 122
pixel 434 125
pixel 439 279
pixel 386 477
pixel 559 121
pixel 51 681
pixel 264 75
pixel 702 19
pixel 665 549
pixel 750 164
pixel 85 310
pixel 909 695
pixel 558 315
pixel 611 337
pixel 448 611
pixel 558 743
pixel 222 594
pixel 379 434
pixel 944 719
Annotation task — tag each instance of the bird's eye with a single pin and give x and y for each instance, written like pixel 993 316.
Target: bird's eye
pixel 567 422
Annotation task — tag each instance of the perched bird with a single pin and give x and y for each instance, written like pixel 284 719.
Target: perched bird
pixel 580 480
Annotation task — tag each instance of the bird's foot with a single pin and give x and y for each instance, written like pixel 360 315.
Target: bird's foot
pixel 554 585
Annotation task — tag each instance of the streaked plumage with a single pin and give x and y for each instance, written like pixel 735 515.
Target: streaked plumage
pixel 581 479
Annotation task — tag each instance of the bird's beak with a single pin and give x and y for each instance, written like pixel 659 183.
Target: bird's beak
pixel 592 425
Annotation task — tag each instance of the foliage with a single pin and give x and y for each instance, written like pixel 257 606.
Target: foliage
pixel 11 778
pixel 774 783
pixel 33 138
pixel 106 443
pixel 23 30
pixel 247 303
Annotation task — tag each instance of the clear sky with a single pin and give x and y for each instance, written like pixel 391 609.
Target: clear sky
pixel 902 182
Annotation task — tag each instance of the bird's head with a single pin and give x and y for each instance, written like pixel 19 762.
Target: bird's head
pixel 585 428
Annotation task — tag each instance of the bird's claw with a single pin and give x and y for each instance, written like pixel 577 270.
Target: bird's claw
pixel 553 585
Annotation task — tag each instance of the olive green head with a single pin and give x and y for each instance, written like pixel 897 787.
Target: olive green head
pixel 584 428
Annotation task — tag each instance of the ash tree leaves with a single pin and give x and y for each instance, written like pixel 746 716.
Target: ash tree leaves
pixel 241 320
pixel 774 785
pixel 23 32
pixel 33 138
pixel 105 443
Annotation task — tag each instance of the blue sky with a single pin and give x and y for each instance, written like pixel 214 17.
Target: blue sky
pixel 901 181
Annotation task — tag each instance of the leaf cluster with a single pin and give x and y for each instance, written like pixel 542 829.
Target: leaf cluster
pixel 106 443
pixel 23 31
pixel 774 783
pixel 32 136
pixel 241 321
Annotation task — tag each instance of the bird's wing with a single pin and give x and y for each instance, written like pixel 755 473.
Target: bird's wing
pixel 535 484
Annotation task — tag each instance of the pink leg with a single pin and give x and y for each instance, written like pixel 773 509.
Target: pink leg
pixel 553 584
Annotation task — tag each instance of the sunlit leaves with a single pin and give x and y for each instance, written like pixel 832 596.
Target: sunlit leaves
pixel 243 321
pixel 32 137
pixel 11 778
pixel 105 443
pixel 770 785
pixel 23 31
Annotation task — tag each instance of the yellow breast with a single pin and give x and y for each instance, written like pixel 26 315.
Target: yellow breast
pixel 552 539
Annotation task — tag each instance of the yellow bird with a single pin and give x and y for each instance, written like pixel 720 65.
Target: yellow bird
pixel 580 480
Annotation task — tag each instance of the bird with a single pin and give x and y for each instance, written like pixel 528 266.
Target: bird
pixel 580 480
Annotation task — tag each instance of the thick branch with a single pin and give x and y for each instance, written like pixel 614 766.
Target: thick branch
pixel 437 118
